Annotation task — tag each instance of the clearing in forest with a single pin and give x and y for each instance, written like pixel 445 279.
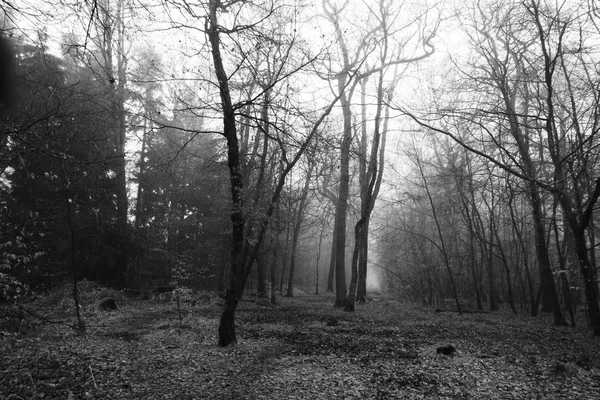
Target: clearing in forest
pixel 302 348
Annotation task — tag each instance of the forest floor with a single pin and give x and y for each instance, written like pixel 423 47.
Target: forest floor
pixel 302 348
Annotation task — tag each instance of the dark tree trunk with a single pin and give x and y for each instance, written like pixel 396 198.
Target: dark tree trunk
pixel 509 287
pixel 227 321
pixel 113 53
pixel 361 291
pixel 589 280
pixel 474 274
pixel 140 215
pixel 297 225
pixel 342 203
pixel 567 296
pixel 493 297
pixel 274 274
pixel 285 257
pixel 290 288
pixel 354 266
pixel 261 288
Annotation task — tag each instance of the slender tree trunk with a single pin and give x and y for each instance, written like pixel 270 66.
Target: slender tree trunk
pixel 112 48
pixel 491 278
pixel 503 259
pixel 331 274
pixel 139 213
pixel 297 225
pixel 442 246
pixel 363 257
pixel 81 328
pixel 274 262
pixel 261 288
pixel 474 274
pixel 284 261
pixel 509 285
pixel 318 259
pixel 524 251
pixel 589 280
pixel 223 264
pixel 567 296
pixel 295 234
pixel 354 266
pixel 227 320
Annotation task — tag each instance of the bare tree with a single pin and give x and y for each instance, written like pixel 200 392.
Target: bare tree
pixel 243 253
pixel 546 107
pixel 355 60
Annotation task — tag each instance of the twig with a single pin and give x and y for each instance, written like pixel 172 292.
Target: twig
pixel 485 366
pixel 39 316
pixel 92 374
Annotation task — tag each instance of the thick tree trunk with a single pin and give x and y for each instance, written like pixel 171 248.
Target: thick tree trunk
pixel 342 202
pixel 589 280
pixel 354 266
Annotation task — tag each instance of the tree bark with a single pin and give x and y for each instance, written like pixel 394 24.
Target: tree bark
pixel 331 274
pixel 261 288
pixel 112 49
pixel 227 320
pixel 297 225
pixel 341 209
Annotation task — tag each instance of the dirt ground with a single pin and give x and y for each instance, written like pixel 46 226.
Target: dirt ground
pixel 302 348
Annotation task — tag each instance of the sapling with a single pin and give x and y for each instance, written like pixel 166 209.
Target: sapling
pixel 182 294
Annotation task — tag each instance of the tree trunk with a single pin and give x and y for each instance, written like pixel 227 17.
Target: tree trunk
pixel 331 274
pixel 295 234
pixel 363 256
pixel 318 259
pixel 227 320
pixel 112 50
pixel 342 202
pixel 442 246
pixel 524 250
pixel 503 259
pixel 589 280
pixel 274 262
pixel 297 225
pixel 284 261
pixel 261 288
pixel 140 218
pixel 354 266
pixel 493 297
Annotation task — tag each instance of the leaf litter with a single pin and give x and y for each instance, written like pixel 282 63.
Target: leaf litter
pixel 302 348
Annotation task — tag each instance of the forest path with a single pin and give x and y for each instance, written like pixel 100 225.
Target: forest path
pixel 302 348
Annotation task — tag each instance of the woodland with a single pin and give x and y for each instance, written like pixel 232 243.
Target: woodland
pixel 299 199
